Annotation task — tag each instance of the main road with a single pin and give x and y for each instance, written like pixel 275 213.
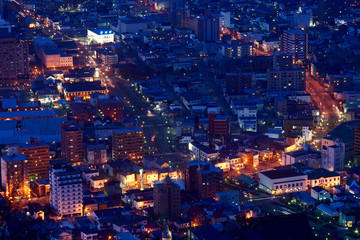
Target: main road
pixel 330 114
pixel 155 127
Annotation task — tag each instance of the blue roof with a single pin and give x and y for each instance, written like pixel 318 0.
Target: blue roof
pixel 45 129
pixel 18 157
pixel 124 130
pixel 44 41
pixel 102 30
pixel 37 113
pixel 9 103
pixel 8 125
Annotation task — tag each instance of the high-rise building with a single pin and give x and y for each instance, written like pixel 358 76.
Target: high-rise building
pixel 15 176
pixel 177 13
pixel 286 79
pixel 66 196
pixel 38 158
pixel 71 144
pixel 113 109
pixel 357 141
pixel 219 126
pixel 332 157
pixel 203 178
pixel 14 64
pixel 283 60
pixel 206 27
pixel 235 83
pixel 331 9
pixel 295 41
pixel 2 9
pixel 167 199
pixel 128 143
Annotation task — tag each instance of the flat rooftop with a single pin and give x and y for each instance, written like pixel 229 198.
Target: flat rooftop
pixel 282 173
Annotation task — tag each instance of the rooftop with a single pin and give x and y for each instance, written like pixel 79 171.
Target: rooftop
pixel 344 131
pixel 36 113
pixel 125 130
pixel 17 157
pixel 281 173
pixel 101 30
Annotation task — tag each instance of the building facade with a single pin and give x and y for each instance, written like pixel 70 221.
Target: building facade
pixel 295 42
pixel 38 159
pixel 15 176
pixel 66 196
pixel 282 181
pixel 286 79
pixel 71 143
pixel 203 178
pixel 14 64
pixel 167 199
pixel 128 143
pixel 100 35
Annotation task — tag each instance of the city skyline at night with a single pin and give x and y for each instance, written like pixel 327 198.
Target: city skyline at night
pixel 179 120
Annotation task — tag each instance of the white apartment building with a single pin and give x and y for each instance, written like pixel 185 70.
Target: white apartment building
pixel 202 153
pixel 66 196
pixel 247 117
pixel 332 154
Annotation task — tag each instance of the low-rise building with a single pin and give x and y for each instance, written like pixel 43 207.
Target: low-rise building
pixel 100 35
pixel 96 154
pixel 282 180
pixel 203 153
pixel 320 194
pixel 229 197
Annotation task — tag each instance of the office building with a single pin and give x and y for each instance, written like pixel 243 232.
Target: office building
pixel 15 176
pixel 112 109
pixel 38 158
pixel 247 118
pixel 71 143
pixel 206 28
pixel 203 178
pixel 344 136
pixel 2 9
pixel 231 198
pixel 340 83
pixel 283 60
pixel 128 143
pixel 96 154
pixel 219 126
pixel 235 83
pixel 202 152
pixel 295 42
pixel 53 57
pixel 286 79
pixel 14 64
pixel 66 196
pixel 306 156
pixel 357 141
pixel 333 155
pixel 237 50
pixel 167 199
pixel 177 13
